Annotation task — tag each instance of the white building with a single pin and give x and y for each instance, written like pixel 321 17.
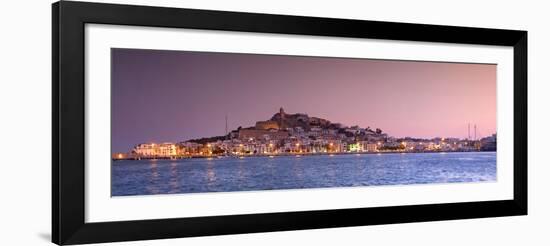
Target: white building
pixel 156 150
pixel 145 149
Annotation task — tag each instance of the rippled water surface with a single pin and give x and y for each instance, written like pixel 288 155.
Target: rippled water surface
pixel 290 172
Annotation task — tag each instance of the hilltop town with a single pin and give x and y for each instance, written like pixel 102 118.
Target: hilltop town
pixel 300 134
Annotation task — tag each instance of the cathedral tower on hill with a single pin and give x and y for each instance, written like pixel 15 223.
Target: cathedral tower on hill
pixel 281 118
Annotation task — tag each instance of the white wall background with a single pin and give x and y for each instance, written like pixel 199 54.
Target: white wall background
pixel 25 98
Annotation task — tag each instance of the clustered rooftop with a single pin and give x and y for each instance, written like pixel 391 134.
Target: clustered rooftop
pixel 299 133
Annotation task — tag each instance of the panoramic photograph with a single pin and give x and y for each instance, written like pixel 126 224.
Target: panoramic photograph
pixel 200 122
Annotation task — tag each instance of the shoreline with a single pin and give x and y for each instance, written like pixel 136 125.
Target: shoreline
pixel 290 154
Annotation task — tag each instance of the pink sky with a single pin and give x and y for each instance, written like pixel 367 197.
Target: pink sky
pixel 177 95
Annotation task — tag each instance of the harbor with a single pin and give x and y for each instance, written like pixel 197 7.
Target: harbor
pixel 300 134
pixel 198 175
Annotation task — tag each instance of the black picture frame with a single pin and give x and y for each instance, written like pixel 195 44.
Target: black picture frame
pixel 68 106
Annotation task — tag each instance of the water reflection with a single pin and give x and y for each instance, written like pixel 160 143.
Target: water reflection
pixel 298 172
pixel 281 172
pixel 152 185
pixel 210 174
pixel 270 172
pixel 241 173
pixel 330 174
pixel 174 177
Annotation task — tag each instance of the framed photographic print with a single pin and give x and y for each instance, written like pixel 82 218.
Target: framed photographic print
pixel 176 122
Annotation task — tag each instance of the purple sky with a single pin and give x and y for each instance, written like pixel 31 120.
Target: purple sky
pixel 169 96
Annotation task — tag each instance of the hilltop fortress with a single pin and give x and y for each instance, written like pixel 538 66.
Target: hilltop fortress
pixel 281 125
pixel 299 133
pixel 283 120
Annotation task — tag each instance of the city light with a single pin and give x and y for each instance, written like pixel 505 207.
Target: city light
pixel 300 140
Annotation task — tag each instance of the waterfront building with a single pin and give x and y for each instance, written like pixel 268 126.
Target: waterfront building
pixel 145 149
pixel 156 150
pixel 371 147
pixel 190 148
pixel 489 143
pixel 432 146
pixel 167 150
pixel 355 147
